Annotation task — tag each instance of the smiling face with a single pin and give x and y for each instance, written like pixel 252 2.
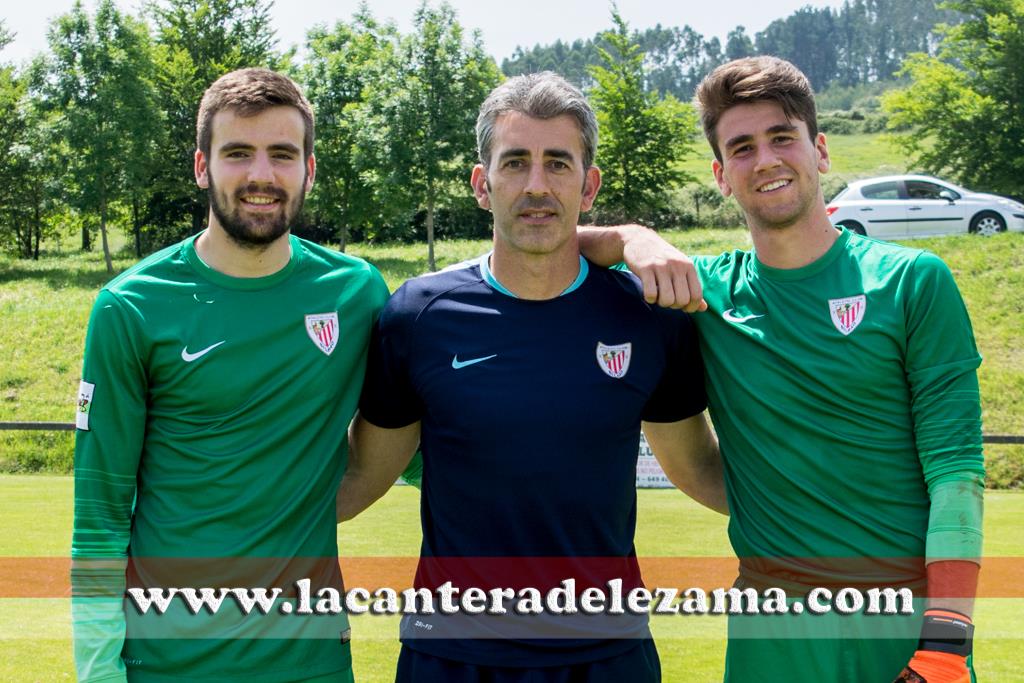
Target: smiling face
pixel 536 184
pixel 256 174
pixel 771 165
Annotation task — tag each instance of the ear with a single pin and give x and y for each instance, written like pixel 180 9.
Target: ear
pixel 824 162
pixel 201 170
pixel 723 184
pixel 591 184
pixel 478 179
pixel 310 172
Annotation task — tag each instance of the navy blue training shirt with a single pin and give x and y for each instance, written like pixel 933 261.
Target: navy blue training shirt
pixel 531 416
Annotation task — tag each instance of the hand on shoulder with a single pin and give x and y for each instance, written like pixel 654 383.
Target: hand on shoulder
pixel 668 275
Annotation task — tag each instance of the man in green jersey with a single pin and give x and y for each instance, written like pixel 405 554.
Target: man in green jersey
pixel 219 380
pixel 842 384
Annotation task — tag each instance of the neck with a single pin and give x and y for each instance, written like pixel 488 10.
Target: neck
pixel 535 276
pixel 219 251
pixel 794 246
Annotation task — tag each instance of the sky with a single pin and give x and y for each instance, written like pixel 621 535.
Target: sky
pixel 503 25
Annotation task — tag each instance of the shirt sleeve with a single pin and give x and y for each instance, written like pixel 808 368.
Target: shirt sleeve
pixel 941 365
pixel 389 399
pixel 111 418
pixel 680 393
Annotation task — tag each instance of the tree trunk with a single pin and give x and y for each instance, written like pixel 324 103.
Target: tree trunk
pixel 22 238
pixel 430 230
pixel 37 219
pixel 343 228
pixel 103 235
pixel 86 244
pixel 136 226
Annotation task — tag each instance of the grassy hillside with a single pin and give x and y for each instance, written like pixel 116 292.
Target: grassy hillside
pixel 45 306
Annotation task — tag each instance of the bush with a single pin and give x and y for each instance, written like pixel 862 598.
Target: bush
pixel 833 123
pixel 702 205
pixel 1004 466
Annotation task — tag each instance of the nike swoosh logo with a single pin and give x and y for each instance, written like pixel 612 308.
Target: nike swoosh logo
pixel 189 357
pixel 728 315
pixel 459 364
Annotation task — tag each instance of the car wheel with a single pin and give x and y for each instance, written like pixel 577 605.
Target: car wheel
pixel 987 223
pixel 853 226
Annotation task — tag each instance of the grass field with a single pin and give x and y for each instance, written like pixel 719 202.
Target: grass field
pixel 45 307
pixel 35 520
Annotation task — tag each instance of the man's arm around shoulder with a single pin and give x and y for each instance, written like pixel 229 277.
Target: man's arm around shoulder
pixel 668 276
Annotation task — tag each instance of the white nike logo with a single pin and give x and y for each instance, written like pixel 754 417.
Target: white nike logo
pixel 731 317
pixel 459 364
pixel 189 357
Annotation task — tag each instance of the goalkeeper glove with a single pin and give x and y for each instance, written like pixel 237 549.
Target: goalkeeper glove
pixel 942 652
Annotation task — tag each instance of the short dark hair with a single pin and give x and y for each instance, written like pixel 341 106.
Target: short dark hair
pixel 755 79
pixel 249 92
pixel 543 95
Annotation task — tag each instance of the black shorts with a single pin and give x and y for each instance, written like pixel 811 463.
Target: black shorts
pixel 637 665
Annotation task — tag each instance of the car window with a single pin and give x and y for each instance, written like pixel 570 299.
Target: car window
pixel 886 190
pixel 921 189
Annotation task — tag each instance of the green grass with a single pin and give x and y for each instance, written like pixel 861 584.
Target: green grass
pixel 45 308
pixel 35 520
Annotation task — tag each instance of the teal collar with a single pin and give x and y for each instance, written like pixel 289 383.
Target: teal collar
pixel 485 271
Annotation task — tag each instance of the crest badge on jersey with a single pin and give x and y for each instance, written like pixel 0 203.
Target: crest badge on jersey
pixel 614 360
pixel 323 330
pixel 848 312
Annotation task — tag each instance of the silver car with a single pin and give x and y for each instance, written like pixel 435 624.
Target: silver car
pixel 900 206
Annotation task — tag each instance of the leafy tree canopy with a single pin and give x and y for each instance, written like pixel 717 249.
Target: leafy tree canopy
pixel 965 107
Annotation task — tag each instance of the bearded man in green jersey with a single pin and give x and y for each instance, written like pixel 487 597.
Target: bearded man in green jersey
pixel 842 383
pixel 220 377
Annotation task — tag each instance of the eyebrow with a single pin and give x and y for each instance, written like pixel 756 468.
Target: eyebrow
pixel 523 152
pixel 746 137
pixel 246 147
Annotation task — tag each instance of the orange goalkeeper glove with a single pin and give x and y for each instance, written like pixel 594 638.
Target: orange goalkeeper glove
pixel 942 652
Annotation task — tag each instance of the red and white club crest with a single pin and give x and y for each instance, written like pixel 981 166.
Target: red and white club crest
pixel 323 330
pixel 614 360
pixel 848 312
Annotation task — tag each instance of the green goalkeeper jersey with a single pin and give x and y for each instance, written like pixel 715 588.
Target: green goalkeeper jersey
pixel 211 439
pixel 841 392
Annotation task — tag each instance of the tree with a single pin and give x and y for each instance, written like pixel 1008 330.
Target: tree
pixel 30 189
pixel 197 42
pixel 806 38
pixel 965 107
pixel 341 63
pixel 12 128
pixel 643 138
pixel 97 83
pixel 738 44
pixel 422 114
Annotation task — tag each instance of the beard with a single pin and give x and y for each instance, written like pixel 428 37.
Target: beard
pixel 258 231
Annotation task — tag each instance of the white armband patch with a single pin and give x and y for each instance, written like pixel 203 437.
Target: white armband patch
pixel 85 391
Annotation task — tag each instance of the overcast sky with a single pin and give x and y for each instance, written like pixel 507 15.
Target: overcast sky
pixel 504 25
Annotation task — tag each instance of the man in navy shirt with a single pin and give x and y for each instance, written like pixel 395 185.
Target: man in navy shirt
pixel 526 375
